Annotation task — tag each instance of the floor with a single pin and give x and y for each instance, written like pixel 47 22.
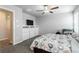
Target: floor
pixel 23 47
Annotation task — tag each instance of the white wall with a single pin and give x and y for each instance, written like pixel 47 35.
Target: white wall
pixel 54 22
pixel 28 16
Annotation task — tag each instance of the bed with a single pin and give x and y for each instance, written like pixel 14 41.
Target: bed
pixel 52 43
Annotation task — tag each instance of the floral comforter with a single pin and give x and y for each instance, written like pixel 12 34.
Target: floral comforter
pixel 53 43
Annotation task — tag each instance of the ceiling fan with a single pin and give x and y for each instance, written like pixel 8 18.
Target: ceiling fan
pixel 48 9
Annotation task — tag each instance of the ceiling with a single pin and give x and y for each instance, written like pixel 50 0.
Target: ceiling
pixel 31 9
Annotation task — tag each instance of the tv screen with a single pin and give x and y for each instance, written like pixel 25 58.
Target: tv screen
pixel 29 22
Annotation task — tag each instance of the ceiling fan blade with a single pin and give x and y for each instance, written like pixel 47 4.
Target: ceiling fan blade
pixel 54 8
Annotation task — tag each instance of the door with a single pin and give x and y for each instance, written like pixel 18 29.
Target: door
pixel 9 26
pixel 2 25
pixel 5 28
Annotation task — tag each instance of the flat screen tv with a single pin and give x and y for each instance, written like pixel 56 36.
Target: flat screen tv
pixel 29 22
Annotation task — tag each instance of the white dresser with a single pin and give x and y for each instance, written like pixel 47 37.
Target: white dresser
pixel 30 32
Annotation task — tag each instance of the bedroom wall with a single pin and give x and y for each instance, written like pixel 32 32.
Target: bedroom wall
pixel 28 16
pixel 54 22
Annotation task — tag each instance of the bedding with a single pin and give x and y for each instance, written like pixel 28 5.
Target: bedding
pixel 75 36
pixel 54 43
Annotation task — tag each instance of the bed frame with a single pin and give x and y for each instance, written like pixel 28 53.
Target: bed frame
pixel 37 50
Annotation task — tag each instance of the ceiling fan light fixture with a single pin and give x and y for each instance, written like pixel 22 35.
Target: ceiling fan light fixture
pixel 48 9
